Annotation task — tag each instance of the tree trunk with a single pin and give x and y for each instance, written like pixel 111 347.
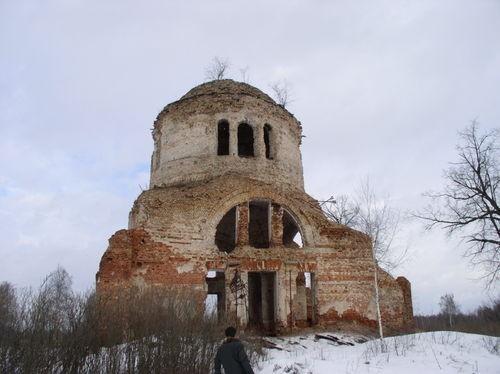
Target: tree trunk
pixel 377 299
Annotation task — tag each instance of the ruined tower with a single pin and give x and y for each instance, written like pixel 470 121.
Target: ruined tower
pixel 226 216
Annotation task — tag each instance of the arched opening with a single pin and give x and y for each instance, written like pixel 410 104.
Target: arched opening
pixel 245 140
pixel 267 140
pixel 223 138
pixel 258 219
pixel 225 234
pixel 292 236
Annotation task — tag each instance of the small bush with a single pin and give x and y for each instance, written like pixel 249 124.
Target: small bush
pixel 152 330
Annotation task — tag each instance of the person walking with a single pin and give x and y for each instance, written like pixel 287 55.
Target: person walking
pixel 231 355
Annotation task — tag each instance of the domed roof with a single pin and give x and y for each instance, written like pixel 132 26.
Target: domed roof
pixel 223 87
pixel 226 86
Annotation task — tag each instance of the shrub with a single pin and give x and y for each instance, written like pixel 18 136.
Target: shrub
pixel 150 330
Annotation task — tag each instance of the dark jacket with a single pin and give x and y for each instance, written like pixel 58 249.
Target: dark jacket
pixel 231 355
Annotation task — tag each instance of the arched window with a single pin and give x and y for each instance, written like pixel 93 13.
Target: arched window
pixel 225 235
pixel 223 138
pixel 292 236
pixel 255 223
pixel 267 140
pixel 245 140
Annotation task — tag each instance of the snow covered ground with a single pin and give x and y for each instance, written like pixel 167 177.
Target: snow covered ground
pixel 433 352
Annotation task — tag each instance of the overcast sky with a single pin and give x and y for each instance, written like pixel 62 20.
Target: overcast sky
pixel 381 89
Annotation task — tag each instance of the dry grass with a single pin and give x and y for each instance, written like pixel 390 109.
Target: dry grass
pixel 54 330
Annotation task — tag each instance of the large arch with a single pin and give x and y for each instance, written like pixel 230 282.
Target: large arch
pixel 259 227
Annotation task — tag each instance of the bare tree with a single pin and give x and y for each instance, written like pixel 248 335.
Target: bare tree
pixel 8 306
pixel 381 222
pixel 244 74
pixel 7 300
pixel 469 202
pixel 341 210
pixel 281 90
pixel 374 216
pixel 217 69
pixel 449 307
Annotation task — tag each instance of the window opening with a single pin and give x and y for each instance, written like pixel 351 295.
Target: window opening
pixel 259 225
pixel 305 300
pixel 211 274
pixel 300 300
pixel 223 138
pixel 245 140
pixel 311 299
pixel 211 305
pixel 308 279
pixel 267 140
pixel 225 234
pixel 215 302
pixel 291 232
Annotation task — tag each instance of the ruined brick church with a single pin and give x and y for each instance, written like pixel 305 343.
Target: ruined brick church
pixel 226 216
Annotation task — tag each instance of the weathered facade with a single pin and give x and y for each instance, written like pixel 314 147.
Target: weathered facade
pixel 226 215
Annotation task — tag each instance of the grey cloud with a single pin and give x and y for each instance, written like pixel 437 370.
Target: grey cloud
pixel 381 89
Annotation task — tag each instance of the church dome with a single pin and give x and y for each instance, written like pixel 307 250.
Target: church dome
pixel 226 127
pixel 227 87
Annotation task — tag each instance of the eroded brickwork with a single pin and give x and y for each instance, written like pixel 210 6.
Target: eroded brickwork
pixel 282 284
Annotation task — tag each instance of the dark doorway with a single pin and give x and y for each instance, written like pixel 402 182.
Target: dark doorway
pixel 261 301
pixel 258 227
pixel 225 235
pixel 223 138
pixel 254 299
pixel 245 140
pixel 311 299
pixel 216 282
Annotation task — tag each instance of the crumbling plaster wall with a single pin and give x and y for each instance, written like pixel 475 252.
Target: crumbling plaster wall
pixel 180 223
pixel 341 294
pixel 186 141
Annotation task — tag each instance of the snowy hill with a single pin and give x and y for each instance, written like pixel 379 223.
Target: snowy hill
pixel 433 352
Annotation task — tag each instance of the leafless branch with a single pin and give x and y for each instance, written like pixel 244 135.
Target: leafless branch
pixel 469 202
pixel 369 213
pixel 217 69
pixel 244 74
pixel 281 90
